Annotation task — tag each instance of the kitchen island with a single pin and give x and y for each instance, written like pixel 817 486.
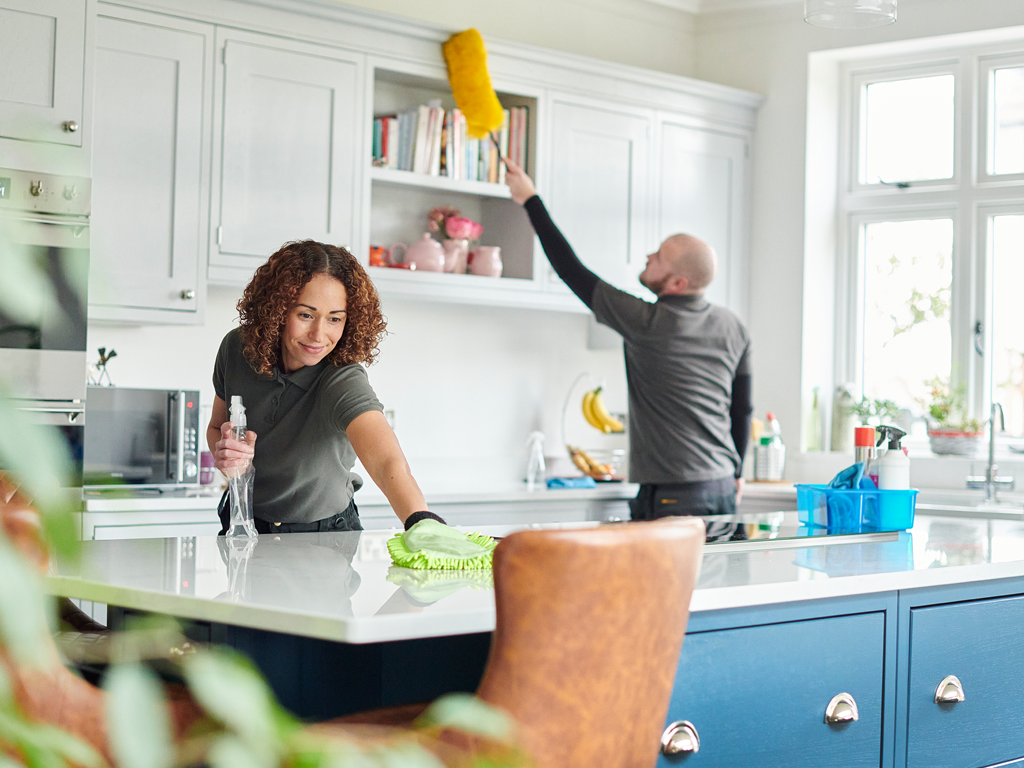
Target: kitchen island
pixel 778 628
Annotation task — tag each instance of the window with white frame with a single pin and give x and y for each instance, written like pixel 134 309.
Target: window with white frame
pixel 931 199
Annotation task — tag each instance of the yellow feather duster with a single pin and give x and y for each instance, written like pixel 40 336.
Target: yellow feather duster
pixel 471 85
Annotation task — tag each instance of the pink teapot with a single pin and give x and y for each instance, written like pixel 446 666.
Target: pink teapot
pixel 426 254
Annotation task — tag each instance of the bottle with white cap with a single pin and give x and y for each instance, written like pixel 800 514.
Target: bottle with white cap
pixel 894 466
pixel 240 481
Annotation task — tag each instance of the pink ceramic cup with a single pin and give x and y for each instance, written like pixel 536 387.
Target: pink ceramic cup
pixel 485 260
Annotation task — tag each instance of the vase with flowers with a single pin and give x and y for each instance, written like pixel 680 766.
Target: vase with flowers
pixel 950 431
pixel 460 232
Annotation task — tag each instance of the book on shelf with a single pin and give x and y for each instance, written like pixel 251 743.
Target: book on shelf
pixel 420 144
pixel 503 140
pixel 391 143
pixel 408 138
pixel 473 159
pixel 436 127
pixel 431 140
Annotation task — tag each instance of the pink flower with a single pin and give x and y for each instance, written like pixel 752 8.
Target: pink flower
pixel 459 228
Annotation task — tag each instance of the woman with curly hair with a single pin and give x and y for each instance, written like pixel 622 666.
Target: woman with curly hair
pixel 309 317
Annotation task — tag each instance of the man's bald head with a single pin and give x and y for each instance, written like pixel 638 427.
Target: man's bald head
pixel 693 259
pixel 682 265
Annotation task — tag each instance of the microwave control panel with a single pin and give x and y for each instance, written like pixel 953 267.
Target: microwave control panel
pixel 189 437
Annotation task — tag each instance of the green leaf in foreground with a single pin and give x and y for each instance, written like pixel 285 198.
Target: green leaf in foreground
pixel 44 745
pixel 232 690
pixel 469 714
pixel 35 456
pixel 403 755
pixel 231 752
pixel 140 726
pixel 23 628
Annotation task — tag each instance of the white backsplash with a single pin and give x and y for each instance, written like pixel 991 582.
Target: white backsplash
pixel 467 384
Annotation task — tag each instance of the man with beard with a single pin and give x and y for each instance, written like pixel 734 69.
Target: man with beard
pixel 687 367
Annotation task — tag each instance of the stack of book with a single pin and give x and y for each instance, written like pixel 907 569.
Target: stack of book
pixel 432 140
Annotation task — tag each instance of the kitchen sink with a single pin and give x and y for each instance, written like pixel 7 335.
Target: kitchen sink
pixel 969 503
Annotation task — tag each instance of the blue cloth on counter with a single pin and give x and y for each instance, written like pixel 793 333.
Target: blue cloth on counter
pixel 571 482
pixel 845 511
pixel 852 478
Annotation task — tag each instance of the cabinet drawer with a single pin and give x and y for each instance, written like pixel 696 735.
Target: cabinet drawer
pixel 982 644
pixel 757 695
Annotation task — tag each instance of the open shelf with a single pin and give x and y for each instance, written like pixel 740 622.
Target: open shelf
pixel 408 178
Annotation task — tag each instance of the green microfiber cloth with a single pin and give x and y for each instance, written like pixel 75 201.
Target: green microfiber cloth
pixel 435 546
pixel 431 586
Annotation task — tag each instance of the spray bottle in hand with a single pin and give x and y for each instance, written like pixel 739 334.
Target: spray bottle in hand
pixel 240 481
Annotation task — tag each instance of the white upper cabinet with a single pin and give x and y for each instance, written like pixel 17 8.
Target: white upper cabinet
pixel 216 143
pixel 702 191
pixel 42 61
pixel 285 150
pixel 600 174
pixel 151 156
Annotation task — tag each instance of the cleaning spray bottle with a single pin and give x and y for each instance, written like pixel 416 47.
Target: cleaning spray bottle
pixel 535 468
pixel 894 466
pixel 240 481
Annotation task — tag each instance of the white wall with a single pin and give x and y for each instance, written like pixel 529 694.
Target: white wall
pixel 643 34
pixel 467 384
pixel 766 50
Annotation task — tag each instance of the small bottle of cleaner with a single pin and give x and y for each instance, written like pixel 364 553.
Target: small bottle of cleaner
pixel 894 466
pixel 864 449
pixel 240 481
pixel 535 467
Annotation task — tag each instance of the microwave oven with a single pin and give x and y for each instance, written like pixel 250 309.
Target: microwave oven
pixel 141 437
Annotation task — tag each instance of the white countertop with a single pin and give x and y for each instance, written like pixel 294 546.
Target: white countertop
pixel 341 586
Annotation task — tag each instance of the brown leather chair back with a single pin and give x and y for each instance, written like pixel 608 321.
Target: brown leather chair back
pixel 590 625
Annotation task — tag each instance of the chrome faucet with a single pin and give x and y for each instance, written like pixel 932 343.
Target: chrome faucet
pixel 991 481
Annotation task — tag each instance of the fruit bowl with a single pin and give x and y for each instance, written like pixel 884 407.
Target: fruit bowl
pixel 602 464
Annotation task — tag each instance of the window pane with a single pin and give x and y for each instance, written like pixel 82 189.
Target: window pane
pixel 908 273
pixel 1008 121
pixel 1007 233
pixel 908 130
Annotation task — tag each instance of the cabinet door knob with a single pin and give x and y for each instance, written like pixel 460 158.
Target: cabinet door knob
pixel 680 738
pixel 950 690
pixel 188 294
pixel 842 709
pixel 69 126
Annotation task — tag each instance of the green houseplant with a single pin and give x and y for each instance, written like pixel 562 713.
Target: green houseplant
pixel 875 412
pixel 950 430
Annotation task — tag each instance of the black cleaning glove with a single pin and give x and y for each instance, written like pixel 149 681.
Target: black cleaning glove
pixel 415 517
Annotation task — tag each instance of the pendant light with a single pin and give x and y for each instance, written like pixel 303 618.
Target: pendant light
pixel 849 14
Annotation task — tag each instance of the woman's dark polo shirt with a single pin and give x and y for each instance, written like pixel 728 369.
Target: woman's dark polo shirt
pixel 303 457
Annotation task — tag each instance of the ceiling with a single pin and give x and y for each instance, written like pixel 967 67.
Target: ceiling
pixel 710 6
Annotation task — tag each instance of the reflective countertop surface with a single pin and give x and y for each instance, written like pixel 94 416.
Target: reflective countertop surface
pixel 342 586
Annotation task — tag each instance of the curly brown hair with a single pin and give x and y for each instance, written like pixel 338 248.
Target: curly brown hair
pixel 275 288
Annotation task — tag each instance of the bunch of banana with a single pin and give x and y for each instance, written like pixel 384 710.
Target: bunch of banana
pixel 585 462
pixel 596 414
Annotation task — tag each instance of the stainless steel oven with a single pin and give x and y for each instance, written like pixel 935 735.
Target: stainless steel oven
pixel 143 438
pixel 44 223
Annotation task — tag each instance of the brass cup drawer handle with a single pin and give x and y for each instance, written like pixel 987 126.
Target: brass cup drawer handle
pixel 842 709
pixel 680 738
pixel 950 691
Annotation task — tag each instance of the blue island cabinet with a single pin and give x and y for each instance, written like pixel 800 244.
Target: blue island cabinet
pixel 754 686
pixel 962 687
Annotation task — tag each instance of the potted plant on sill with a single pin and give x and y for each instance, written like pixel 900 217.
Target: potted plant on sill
pixel 950 431
pixel 874 413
